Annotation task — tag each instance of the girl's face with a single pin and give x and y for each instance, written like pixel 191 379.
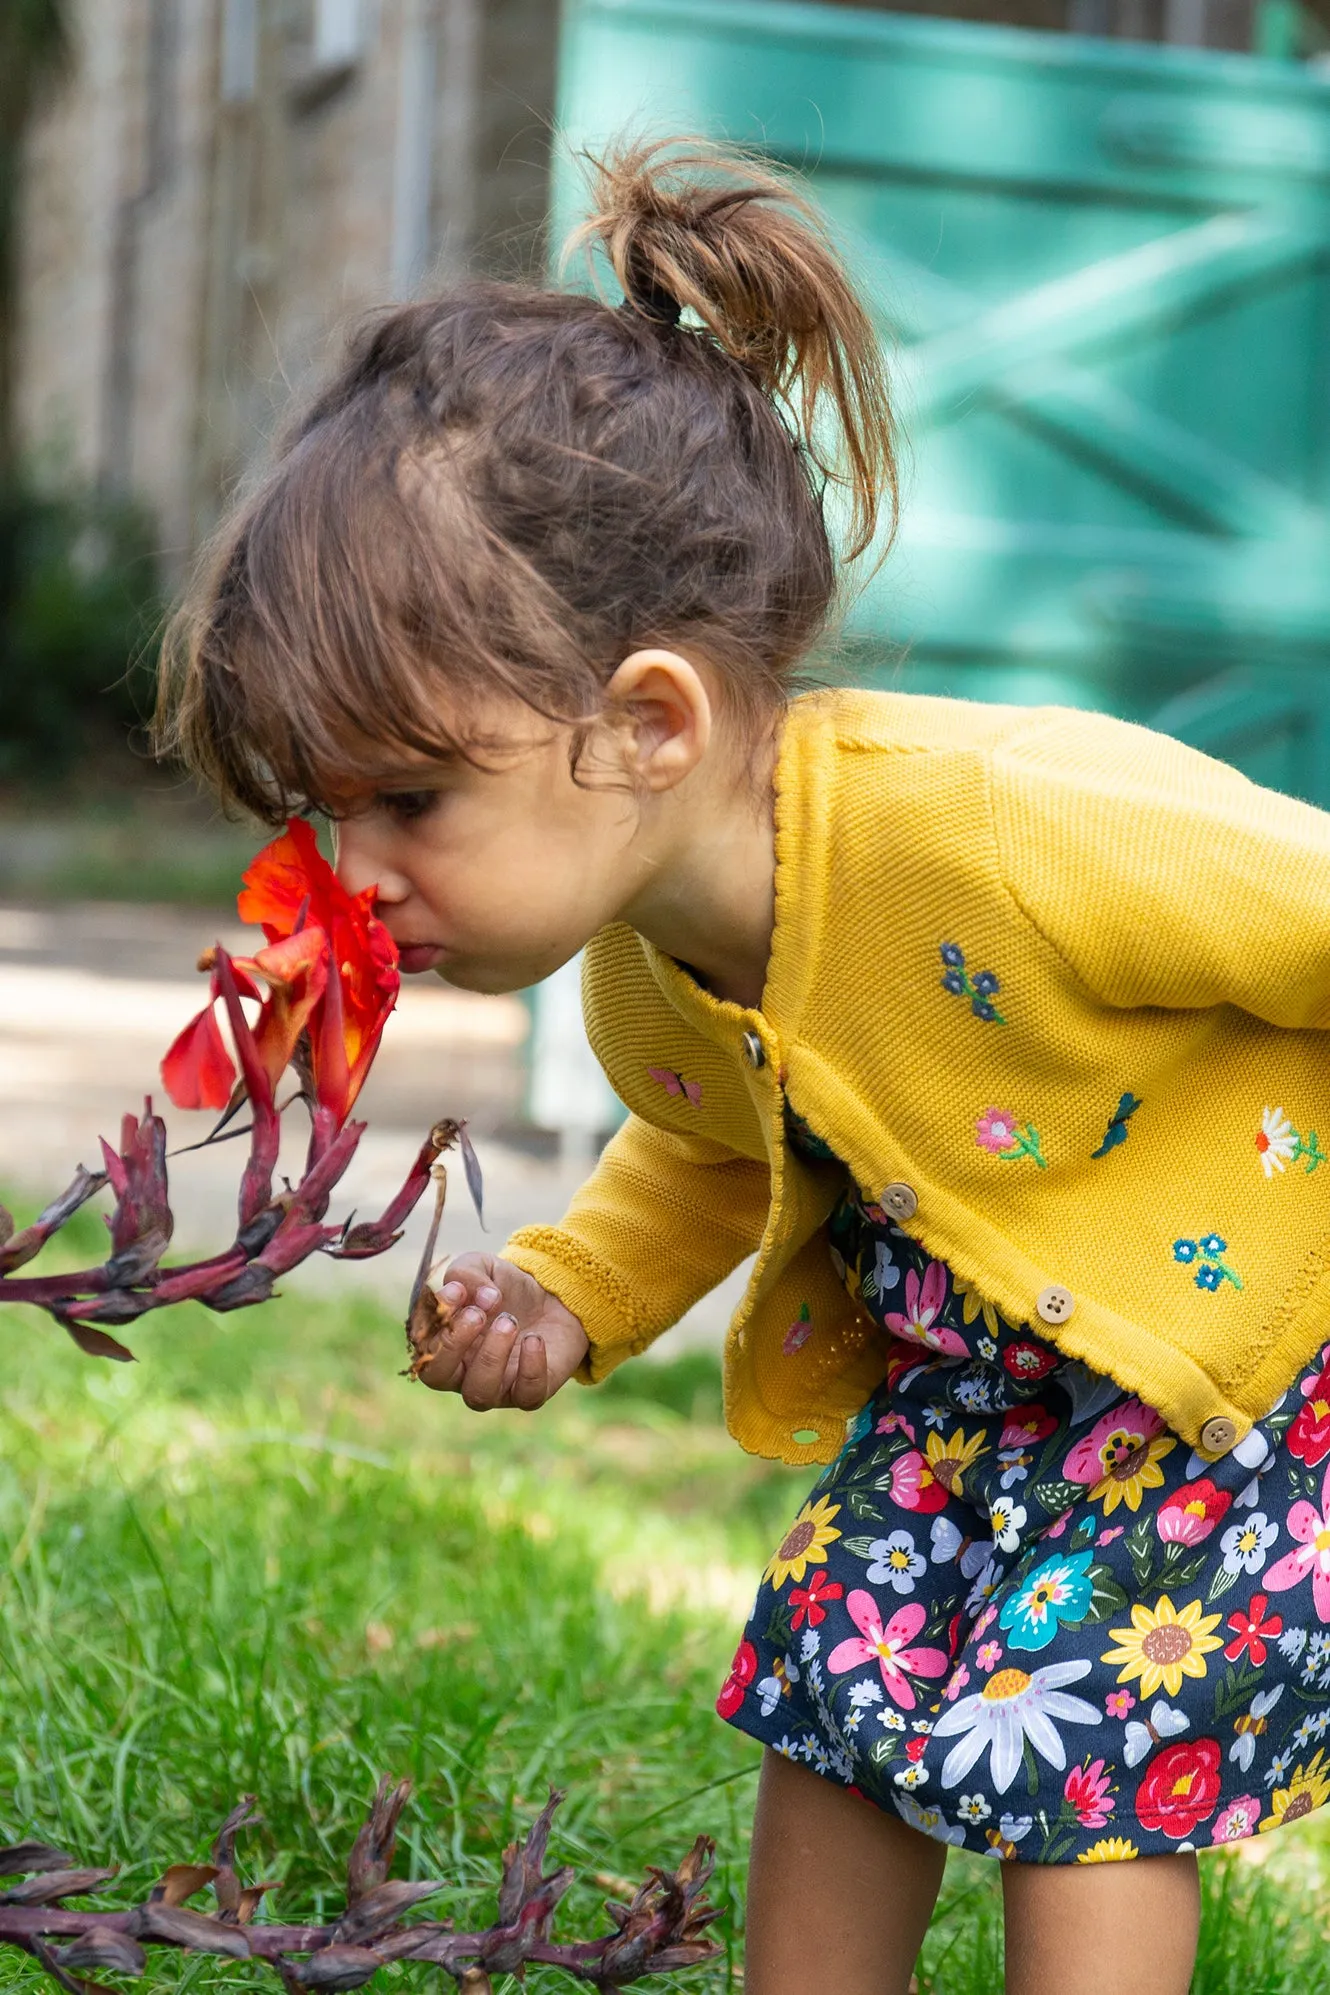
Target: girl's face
pixel 495 875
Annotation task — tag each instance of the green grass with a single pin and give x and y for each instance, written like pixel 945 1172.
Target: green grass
pixel 261 1561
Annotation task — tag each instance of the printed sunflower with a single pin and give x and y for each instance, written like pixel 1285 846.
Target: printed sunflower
pixel 1109 1849
pixel 1308 1790
pixel 804 1544
pixel 1162 1646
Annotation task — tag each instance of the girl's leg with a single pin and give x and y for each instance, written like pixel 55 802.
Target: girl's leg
pixel 1076 1929
pixel 839 1894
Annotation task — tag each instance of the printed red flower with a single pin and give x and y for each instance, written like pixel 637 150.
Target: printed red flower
pixel 1309 1436
pixel 329 968
pixel 1024 1424
pixel 914 1486
pixel 742 1671
pixel 1180 1788
pixel 1027 1360
pixel 811 1600
pixel 1089 1790
pixel 1192 1512
pixel 1251 1631
pixel 914 1752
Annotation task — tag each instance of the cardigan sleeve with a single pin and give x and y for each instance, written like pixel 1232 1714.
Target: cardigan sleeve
pixel 661 1220
pixel 1161 876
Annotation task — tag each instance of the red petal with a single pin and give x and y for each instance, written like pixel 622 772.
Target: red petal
pixel 197 1070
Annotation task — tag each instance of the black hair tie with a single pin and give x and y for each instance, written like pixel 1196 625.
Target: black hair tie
pixel 646 295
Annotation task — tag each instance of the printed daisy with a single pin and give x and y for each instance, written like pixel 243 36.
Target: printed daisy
pixel 1005 1518
pixel 973 1808
pixel 804 1544
pixel 1308 1789
pixel 1277 1142
pixel 1162 1646
pixel 1011 1707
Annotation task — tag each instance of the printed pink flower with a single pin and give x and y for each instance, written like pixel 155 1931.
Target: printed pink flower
pixel 956 1683
pixel 1088 1788
pixel 1191 1513
pixel 923 1304
pixel 1126 1430
pixel 1309 1436
pixel 1311 1528
pixel 989 1656
pixel 886 1644
pixel 914 1486
pixel 985 1621
pixel 895 1423
pixel 742 1671
pixel 1024 1424
pixel 1239 1819
pixel 997 1130
pixel 1118 1703
pixel 1059 1525
pixel 1113 1531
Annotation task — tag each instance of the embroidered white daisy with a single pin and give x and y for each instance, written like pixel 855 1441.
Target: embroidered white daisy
pixel 1011 1707
pixel 1277 1143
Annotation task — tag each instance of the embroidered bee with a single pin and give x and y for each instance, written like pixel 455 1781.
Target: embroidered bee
pixel 676 1084
pixel 1117 1128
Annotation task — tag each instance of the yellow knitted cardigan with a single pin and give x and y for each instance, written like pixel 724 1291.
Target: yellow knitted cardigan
pixel 997 929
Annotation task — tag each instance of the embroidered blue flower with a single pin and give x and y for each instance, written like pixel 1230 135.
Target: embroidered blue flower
pixel 980 989
pixel 1215 1271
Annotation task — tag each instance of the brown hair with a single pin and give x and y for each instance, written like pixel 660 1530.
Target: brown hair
pixel 508 489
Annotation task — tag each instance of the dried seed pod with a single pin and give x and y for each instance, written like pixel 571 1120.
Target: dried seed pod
pixel 15 1858
pixel 102 1948
pixel 337 1967
pixel 190 1929
pixel 181 1881
pixel 372 1852
pixel 376 1910
pixel 54 1886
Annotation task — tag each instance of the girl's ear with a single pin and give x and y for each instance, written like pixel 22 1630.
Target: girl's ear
pixel 660 712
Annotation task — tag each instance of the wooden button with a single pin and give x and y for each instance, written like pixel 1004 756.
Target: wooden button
pixel 754 1051
pixel 1218 1435
pixel 1054 1304
pixel 901 1201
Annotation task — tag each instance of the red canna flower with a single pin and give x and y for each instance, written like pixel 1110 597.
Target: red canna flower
pixel 327 979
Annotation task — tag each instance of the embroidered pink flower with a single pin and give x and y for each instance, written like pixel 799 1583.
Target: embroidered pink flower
pixel 799 1331
pixel 1088 1788
pixel 923 1305
pixel 886 1644
pixel 1118 1703
pixel 1311 1528
pixel 996 1131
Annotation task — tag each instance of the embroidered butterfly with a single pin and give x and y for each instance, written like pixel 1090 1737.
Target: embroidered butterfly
pixel 1117 1127
pixel 676 1084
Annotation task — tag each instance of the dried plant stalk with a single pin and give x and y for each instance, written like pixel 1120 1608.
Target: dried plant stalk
pixel 662 1930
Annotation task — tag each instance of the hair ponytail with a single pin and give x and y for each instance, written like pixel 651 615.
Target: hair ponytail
pixel 689 225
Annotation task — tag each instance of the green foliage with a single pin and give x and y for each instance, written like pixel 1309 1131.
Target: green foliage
pixel 78 607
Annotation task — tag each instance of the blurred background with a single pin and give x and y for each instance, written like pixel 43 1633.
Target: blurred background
pixel 1096 234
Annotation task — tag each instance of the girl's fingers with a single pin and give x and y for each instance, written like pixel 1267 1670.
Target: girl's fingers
pixel 531 1387
pixel 446 1368
pixel 482 1385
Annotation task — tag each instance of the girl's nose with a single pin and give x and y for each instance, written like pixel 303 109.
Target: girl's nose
pixel 361 865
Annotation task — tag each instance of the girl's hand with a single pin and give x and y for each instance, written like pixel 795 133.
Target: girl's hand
pixel 510 1342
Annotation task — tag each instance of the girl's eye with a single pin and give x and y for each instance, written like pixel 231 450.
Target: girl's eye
pixel 407 805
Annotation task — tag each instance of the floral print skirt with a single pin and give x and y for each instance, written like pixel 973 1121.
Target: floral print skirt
pixel 1024 1615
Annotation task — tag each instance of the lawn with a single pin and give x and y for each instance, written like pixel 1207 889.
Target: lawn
pixel 262 1561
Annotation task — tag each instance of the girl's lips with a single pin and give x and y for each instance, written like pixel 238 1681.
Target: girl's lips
pixel 413 957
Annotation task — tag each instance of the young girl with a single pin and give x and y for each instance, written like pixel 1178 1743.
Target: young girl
pixel 997 1034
